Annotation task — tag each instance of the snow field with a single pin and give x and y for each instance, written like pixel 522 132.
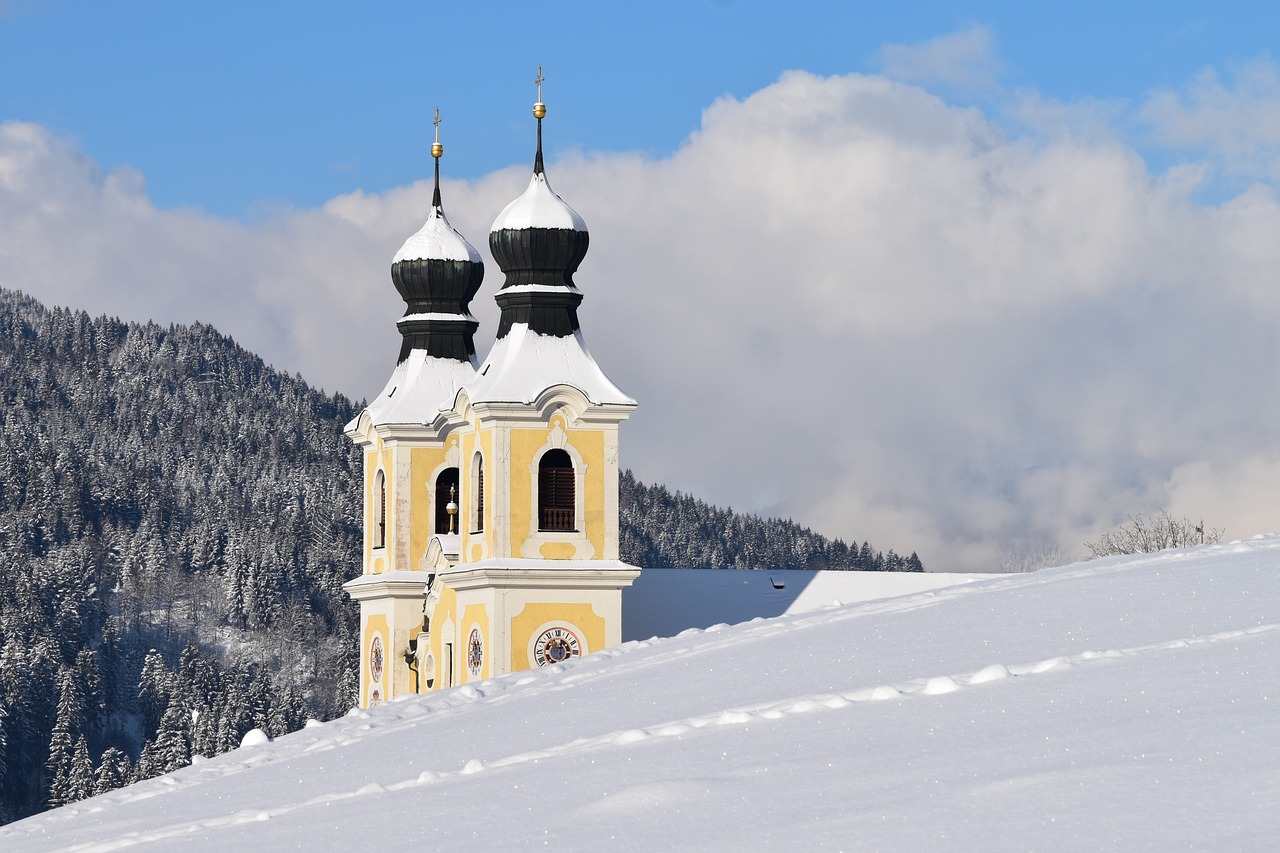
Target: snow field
pixel 1118 704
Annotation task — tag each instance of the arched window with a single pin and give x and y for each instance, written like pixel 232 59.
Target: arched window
pixel 380 510
pixel 477 489
pixel 446 493
pixel 555 491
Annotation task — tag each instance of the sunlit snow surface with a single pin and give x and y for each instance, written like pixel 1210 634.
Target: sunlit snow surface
pixel 523 364
pixel 419 387
pixel 437 239
pixel 1124 704
pixel 538 207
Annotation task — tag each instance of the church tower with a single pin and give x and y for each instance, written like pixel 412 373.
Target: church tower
pixel 411 468
pixel 491 494
pixel 538 579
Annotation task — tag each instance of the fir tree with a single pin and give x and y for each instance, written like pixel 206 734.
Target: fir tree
pixel 114 771
pixel 80 780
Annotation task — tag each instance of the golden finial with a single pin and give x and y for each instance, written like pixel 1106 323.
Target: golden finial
pixel 539 109
pixel 436 148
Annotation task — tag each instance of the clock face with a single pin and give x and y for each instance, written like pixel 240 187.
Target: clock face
pixel 556 645
pixel 376 658
pixel 475 652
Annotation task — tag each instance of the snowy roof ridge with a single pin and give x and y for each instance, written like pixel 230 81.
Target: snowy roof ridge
pixel 420 387
pixel 524 363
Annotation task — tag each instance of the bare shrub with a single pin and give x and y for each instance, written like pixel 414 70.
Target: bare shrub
pixel 1146 534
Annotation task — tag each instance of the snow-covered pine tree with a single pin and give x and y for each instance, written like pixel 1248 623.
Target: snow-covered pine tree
pixel 114 771
pixel 80 780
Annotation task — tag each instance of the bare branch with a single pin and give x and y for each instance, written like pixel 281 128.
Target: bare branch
pixel 1144 535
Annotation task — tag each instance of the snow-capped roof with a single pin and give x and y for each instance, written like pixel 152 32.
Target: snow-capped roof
pixel 539 207
pixel 523 364
pixel 450 543
pixel 437 240
pixel 419 388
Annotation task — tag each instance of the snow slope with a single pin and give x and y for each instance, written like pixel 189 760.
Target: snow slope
pixel 1122 704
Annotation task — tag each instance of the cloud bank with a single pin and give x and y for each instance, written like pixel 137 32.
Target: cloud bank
pixel 843 300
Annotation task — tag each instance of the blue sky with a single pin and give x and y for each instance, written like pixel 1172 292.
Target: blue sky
pixel 975 280
pixel 236 106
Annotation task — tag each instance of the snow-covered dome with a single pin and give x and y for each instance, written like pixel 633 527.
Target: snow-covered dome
pixel 538 241
pixel 538 207
pixel 437 240
pixel 437 272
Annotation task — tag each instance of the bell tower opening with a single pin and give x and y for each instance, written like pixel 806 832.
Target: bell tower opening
pixel 380 510
pixel 556 499
pixel 477 489
pixel 446 493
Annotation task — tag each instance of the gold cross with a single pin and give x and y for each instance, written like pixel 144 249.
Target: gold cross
pixel 437 124
pixel 539 80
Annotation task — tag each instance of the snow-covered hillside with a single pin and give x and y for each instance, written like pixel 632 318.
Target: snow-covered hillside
pixel 1127 704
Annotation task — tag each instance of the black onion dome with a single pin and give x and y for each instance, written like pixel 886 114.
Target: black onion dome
pixel 437 273
pixel 538 242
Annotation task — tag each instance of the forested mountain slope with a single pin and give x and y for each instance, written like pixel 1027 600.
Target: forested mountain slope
pixel 658 528
pixel 161 488
pixel 176 522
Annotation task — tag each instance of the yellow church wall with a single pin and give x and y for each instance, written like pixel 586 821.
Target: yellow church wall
pixel 583 619
pixel 467 447
pixel 524 443
pixel 444 613
pixel 589 445
pixel 474 542
pixel 509 441
pixel 422 522
pixel 476 615
pixel 371 457
pixel 374 624
pixel 378 458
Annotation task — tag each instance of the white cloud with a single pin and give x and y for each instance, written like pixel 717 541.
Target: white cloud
pixel 965 60
pixel 1236 121
pixel 843 300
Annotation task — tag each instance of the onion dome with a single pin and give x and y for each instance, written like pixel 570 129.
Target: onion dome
pixel 437 272
pixel 538 242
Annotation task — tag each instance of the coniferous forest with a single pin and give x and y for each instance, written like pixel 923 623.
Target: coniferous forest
pixel 177 519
